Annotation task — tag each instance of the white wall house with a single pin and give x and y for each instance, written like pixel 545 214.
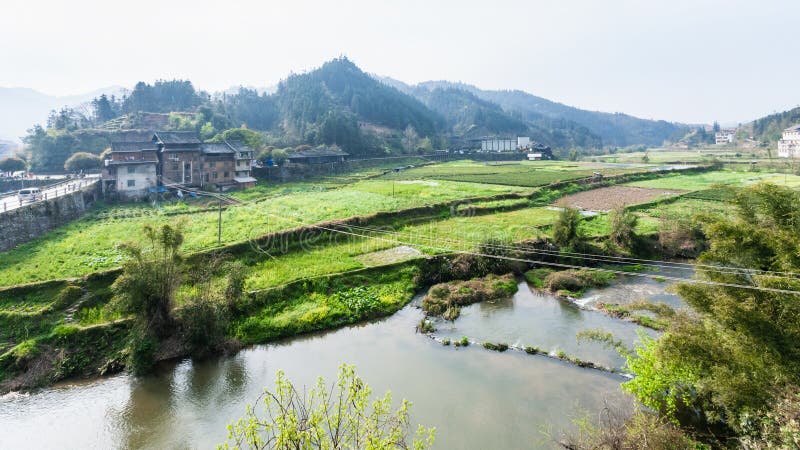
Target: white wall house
pixel 498 145
pixel 523 142
pixel 136 178
pixel 789 145
pixel 725 136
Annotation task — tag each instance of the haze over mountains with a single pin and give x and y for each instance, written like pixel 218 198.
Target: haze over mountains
pixel 21 107
pixel 454 108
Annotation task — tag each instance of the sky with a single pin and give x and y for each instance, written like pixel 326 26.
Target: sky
pixel 692 61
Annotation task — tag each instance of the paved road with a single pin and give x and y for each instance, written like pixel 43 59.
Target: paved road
pixel 11 202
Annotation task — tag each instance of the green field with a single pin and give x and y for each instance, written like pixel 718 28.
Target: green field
pixel 516 173
pixel 699 181
pixel 89 244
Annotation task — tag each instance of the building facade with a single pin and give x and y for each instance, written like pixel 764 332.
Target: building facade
pixel 138 165
pixel 725 136
pixel 789 145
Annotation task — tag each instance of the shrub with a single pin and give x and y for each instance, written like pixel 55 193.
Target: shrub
pixel 204 322
pixel 67 296
pixel 496 347
pixel 141 353
pixel 566 230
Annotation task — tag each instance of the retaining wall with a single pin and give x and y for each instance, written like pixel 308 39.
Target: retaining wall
pixel 23 224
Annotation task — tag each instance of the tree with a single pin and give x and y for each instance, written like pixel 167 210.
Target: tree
pixel 328 417
pixel 623 227
pixel 722 366
pixel 103 109
pixel 410 139
pixel 252 139
pixel 12 164
pixel 566 231
pixel 82 161
pixel 150 277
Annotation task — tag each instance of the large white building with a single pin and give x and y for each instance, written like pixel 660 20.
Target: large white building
pixel 789 145
pixel 724 136
pixel 498 144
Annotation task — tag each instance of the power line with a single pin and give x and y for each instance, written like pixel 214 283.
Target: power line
pixel 553 264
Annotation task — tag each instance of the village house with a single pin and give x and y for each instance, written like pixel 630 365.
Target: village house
pixel 725 136
pixel 789 145
pixel 140 162
pixel 179 158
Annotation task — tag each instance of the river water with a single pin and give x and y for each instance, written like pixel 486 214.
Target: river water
pixel 476 398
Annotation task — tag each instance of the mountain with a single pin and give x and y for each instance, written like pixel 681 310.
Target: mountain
pixel 613 128
pixel 21 108
pixel 770 128
pixel 333 103
pixel 469 116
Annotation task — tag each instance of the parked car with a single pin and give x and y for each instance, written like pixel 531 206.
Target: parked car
pixel 29 194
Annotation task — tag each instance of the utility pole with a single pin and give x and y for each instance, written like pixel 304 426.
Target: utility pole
pixel 219 224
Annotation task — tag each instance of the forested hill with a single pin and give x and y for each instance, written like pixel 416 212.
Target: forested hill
pixel 770 128
pixel 341 87
pixel 613 128
pixel 469 116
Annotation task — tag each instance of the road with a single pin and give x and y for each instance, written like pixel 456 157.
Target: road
pixel 10 202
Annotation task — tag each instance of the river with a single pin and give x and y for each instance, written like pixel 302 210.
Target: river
pixel 476 398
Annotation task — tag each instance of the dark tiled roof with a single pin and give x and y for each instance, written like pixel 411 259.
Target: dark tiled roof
pixel 176 137
pixel 317 153
pixel 131 136
pixel 119 147
pixel 216 148
pixel 239 146
pixel 793 128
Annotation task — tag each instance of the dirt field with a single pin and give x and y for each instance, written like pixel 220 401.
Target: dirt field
pixel 606 199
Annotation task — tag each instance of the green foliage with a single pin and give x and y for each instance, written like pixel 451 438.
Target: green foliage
pixel 445 299
pixel 566 230
pixel 82 161
pixel 162 96
pixel 537 276
pixel 500 347
pixel 12 164
pixel 252 139
pixel 204 321
pixel 727 360
pixel 576 281
pixel 342 415
pixel 623 228
pixel 463 342
pixel 67 296
pixel 141 353
pixel 146 288
pixel 361 300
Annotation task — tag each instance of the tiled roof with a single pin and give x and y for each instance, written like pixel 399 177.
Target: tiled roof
pixel 131 136
pixel 239 146
pixel 176 137
pixel 793 128
pixel 317 152
pixel 119 147
pixel 216 148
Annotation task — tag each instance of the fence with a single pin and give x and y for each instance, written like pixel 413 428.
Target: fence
pixel 48 193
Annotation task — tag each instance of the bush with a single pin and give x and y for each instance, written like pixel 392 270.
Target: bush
pixel 141 353
pixel 204 322
pixel 576 281
pixel 566 229
pixel 536 277
pixel 501 347
pixel 82 161
pixel 445 298
pixel 69 295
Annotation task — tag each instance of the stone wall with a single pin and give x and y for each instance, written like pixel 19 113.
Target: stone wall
pixel 31 221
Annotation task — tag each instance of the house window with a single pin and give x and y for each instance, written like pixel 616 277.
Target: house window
pixel 131 169
pixel 225 175
pixel 175 166
pixel 214 175
pixel 174 158
pixel 131 183
pixel 206 177
pixel 212 164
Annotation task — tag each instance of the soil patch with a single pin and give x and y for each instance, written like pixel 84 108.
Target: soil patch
pixel 608 198
pixel 389 256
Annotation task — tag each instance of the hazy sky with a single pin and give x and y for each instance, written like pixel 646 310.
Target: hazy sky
pixel 681 60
